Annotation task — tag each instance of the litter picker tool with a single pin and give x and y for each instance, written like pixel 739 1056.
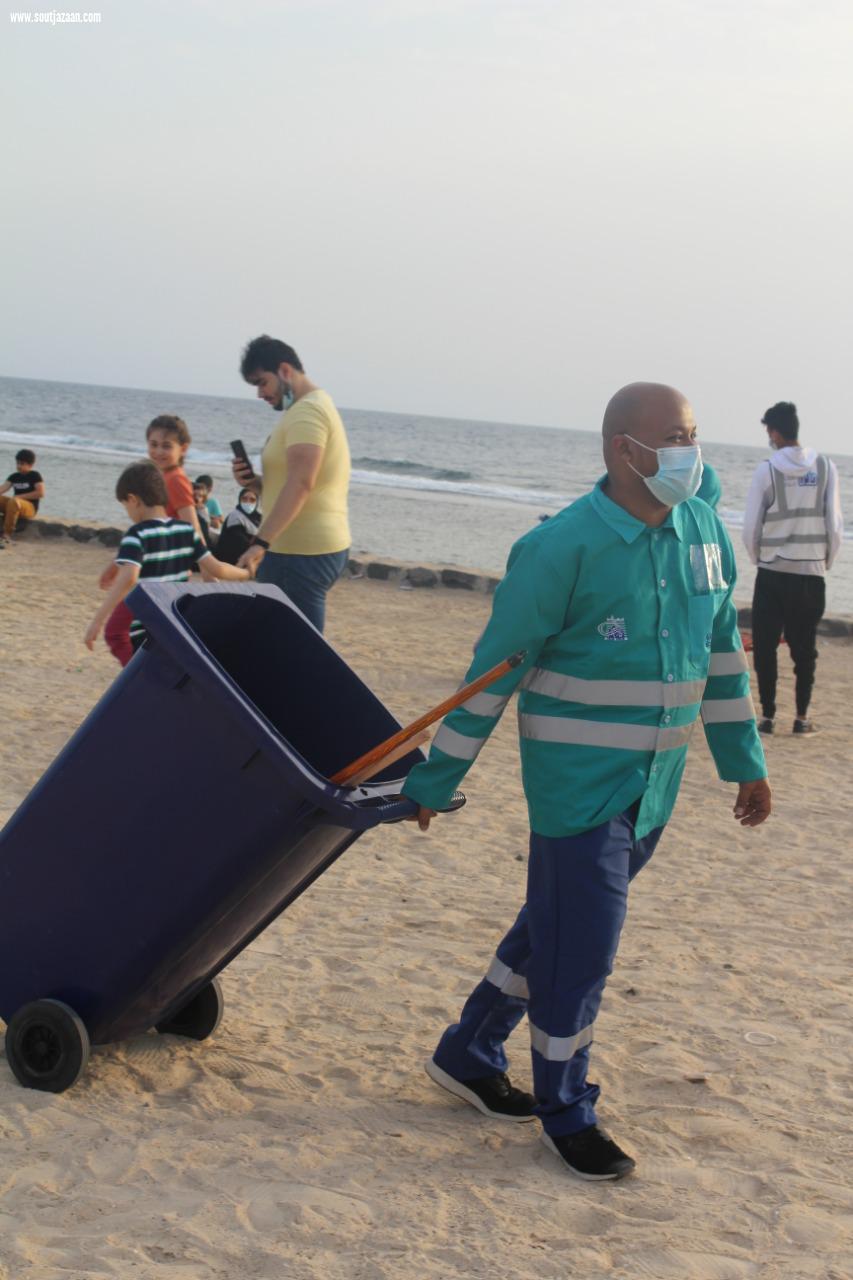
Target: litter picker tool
pixel 401 743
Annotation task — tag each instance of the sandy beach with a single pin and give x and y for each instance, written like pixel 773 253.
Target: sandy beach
pixel 304 1140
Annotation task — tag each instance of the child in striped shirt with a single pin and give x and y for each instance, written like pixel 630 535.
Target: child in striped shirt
pixel 155 548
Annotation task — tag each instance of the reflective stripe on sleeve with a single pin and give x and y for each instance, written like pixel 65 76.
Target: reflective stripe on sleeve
pixel 728 664
pixel 600 733
pixel 486 704
pixel 614 693
pixel 456 744
pixel 511 984
pixel 721 710
pixel 559 1048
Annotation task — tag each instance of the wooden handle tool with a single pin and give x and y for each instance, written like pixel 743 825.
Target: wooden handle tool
pixel 379 755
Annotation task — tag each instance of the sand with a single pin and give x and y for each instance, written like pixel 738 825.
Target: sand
pixel 304 1139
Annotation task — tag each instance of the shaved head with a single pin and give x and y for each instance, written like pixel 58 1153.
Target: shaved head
pixel 639 420
pixel 641 408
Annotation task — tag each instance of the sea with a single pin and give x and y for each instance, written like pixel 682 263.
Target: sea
pixel 424 490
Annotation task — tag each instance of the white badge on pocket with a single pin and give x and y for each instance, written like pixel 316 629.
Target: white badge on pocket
pixel 707 566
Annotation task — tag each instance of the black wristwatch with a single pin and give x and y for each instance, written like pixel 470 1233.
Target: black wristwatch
pixel 259 542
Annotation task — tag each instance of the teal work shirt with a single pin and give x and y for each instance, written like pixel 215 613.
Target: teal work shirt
pixel 630 634
pixel 710 489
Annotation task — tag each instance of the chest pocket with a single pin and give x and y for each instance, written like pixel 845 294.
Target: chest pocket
pixel 700 624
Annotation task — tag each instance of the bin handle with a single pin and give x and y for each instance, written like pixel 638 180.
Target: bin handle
pixel 401 808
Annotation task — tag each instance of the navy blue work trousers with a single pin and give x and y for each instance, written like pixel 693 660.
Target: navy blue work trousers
pixel 552 965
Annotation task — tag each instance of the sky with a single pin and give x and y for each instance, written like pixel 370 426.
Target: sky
pixel 492 209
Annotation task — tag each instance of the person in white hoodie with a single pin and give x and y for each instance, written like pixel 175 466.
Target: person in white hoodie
pixel 792 530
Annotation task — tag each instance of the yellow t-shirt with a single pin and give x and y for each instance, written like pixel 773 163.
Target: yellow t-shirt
pixel 322 525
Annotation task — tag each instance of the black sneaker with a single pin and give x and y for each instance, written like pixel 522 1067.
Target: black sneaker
pixel 495 1096
pixel 590 1154
pixel 802 726
pixel 766 725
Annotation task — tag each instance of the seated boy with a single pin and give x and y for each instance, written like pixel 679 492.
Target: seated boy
pixel 214 511
pixel 28 490
pixel 155 547
pixel 200 501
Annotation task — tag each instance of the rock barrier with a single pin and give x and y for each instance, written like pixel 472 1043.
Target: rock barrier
pixel 407 576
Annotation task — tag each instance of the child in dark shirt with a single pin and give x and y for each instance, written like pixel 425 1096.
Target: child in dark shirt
pixel 155 548
pixel 27 488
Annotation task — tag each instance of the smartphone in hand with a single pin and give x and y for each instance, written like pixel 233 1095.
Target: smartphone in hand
pixel 240 455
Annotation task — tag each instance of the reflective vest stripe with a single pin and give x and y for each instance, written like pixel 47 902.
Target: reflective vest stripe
pixel 814 537
pixel 796 518
pixel 601 733
pixel 614 693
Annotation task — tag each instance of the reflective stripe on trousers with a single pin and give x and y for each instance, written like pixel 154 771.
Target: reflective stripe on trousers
pixel 560 950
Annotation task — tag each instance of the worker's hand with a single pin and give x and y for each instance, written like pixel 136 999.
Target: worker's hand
pixel 92 632
pixel 752 805
pixel 107 578
pixel 242 473
pixel 251 559
pixel 423 817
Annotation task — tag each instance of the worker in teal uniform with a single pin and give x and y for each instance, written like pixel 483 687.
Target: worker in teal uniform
pixel 710 490
pixel 623 604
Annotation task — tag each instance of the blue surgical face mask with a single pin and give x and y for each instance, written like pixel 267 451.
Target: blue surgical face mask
pixel 679 473
pixel 248 507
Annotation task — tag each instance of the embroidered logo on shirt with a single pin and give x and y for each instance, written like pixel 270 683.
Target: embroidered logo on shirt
pixel 808 481
pixel 612 629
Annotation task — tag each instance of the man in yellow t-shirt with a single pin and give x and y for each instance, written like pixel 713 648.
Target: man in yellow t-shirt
pixel 302 544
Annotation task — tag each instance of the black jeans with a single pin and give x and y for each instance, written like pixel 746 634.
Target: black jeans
pixel 792 603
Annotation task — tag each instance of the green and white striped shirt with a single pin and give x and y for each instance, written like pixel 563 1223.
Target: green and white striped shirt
pixel 630 635
pixel 165 551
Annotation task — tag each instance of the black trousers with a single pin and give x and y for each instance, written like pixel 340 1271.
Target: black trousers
pixel 793 604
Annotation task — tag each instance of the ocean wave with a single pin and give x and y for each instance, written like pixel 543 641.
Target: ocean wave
pixel 495 492
pixel 101 449
pixel 399 466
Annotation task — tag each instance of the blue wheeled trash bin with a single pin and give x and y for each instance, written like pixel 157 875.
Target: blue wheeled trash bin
pixel 187 811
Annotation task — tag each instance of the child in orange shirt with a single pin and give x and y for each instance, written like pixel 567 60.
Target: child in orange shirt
pixel 168 439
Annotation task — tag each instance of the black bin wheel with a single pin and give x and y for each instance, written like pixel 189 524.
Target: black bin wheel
pixel 47 1046
pixel 200 1017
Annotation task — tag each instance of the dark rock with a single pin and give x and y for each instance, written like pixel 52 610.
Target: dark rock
pixel 834 627
pixel 50 529
pixel 109 537
pixel 458 578
pixel 80 533
pixel 420 577
pixel 376 569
